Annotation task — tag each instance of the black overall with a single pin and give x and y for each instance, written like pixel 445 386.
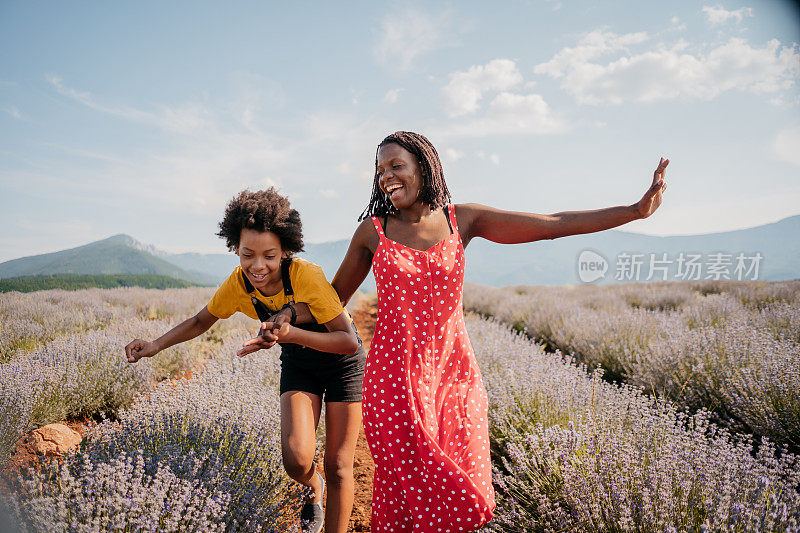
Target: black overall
pixel 336 376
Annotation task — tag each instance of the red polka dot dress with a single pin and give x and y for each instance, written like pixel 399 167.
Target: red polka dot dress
pixel 425 406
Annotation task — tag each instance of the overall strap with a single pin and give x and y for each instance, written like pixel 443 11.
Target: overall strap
pixel 451 210
pixel 287 281
pixel 378 227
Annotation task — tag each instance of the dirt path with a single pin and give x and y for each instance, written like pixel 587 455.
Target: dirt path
pixel 364 316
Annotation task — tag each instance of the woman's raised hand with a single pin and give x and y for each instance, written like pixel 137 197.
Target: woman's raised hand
pixel 138 348
pixel 652 198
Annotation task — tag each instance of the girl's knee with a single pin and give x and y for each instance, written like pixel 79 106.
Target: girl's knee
pixel 297 464
pixel 338 469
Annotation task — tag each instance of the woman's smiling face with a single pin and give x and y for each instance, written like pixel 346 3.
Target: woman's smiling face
pixel 399 175
pixel 260 254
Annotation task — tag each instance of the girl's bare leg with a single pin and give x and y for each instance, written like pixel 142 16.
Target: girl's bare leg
pixel 299 418
pixel 343 421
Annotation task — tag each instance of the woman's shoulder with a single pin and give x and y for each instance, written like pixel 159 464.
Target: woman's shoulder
pixel 366 234
pixel 469 208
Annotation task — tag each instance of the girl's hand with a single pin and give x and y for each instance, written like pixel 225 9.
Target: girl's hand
pixel 270 333
pixel 270 329
pixel 138 348
pixel 652 198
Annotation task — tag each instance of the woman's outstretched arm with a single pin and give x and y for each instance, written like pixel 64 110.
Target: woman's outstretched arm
pixel 510 227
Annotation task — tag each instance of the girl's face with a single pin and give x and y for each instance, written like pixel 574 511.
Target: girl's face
pixel 399 175
pixel 260 255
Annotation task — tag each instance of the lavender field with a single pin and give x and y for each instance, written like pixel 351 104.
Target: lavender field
pixel 731 348
pixel 571 450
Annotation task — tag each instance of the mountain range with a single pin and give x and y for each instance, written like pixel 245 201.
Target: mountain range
pixel 769 252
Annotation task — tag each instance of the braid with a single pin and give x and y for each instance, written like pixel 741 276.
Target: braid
pixel 433 191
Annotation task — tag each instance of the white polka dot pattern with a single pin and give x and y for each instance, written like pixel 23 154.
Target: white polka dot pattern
pixel 425 406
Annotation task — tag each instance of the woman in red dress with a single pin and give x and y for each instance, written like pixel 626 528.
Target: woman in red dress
pixel 424 404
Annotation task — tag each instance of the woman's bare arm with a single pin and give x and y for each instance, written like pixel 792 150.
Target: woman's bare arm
pixel 510 227
pixel 357 261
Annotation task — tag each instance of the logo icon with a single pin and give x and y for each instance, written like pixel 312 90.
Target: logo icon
pixel 591 266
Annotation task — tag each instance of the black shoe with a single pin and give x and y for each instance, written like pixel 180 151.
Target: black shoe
pixel 312 515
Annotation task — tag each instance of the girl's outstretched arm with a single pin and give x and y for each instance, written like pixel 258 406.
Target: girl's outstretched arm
pixel 510 227
pixel 188 329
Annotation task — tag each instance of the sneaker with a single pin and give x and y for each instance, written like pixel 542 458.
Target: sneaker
pixel 312 515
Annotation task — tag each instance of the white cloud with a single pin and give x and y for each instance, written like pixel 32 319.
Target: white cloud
pixel 494 158
pixel 391 95
pixel 590 46
pixel 206 154
pixel 407 33
pixel 451 155
pixel 786 145
pixel 669 72
pixel 189 119
pixel 510 114
pixel 718 15
pixel 13 111
pixel 677 25
pixel 466 88
pixel 329 193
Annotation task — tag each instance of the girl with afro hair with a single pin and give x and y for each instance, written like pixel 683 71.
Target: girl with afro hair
pixel 322 358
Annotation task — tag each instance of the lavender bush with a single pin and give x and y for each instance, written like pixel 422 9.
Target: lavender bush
pixel 214 438
pixel 30 320
pixel 733 349
pixel 85 373
pixel 573 452
pixel 126 493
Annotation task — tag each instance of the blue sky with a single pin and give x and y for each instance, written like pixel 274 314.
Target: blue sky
pixel 146 118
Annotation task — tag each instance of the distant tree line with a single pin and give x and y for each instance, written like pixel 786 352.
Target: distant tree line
pixel 73 282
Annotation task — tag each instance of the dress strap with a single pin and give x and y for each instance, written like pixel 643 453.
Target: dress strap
pixel 378 227
pixel 451 209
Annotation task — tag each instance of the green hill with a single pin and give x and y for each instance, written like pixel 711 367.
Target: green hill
pixel 120 254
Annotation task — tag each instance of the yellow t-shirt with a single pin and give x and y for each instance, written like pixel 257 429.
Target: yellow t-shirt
pixel 309 286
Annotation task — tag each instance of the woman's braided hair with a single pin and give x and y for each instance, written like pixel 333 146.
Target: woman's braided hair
pixel 433 191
